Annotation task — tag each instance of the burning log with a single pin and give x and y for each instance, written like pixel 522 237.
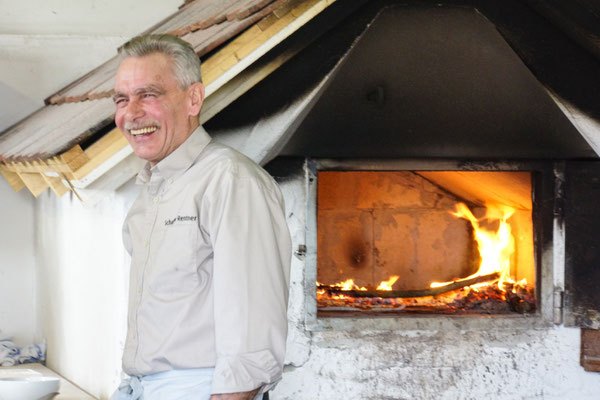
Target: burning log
pixel 411 293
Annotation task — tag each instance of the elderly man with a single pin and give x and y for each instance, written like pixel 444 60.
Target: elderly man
pixel 210 248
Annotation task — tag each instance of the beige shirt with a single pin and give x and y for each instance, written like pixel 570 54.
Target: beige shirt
pixel 210 265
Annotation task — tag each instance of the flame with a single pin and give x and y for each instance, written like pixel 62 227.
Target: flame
pixel 348 284
pixel 495 247
pixel 387 285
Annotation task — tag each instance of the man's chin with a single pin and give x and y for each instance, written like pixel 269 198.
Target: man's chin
pixel 144 154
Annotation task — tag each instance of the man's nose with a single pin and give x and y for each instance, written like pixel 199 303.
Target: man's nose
pixel 134 110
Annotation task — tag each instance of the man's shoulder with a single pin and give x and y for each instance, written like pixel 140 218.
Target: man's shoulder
pixel 223 159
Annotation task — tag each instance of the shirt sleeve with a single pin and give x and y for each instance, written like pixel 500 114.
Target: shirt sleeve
pixel 252 255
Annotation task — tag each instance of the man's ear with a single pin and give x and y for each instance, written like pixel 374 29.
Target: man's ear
pixel 196 98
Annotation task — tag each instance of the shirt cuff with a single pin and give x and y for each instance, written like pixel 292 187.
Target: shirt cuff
pixel 246 372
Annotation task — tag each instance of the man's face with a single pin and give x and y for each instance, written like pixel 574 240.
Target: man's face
pixel 153 112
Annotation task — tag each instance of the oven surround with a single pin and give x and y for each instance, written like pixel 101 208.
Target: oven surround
pixel 544 247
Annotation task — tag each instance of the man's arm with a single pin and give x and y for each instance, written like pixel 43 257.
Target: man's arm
pixel 252 254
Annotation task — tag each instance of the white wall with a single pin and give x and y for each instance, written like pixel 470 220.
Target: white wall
pixel 83 273
pixel 17 272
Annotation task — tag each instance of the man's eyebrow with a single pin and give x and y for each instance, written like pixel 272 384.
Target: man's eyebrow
pixel 117 95
pixel 151 89
pixel 145 89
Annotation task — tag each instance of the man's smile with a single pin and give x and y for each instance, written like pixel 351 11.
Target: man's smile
pixel 143 131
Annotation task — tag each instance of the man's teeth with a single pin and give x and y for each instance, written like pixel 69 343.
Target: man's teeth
pixel 143 131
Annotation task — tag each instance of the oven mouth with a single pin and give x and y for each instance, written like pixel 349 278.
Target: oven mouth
pixel 406 242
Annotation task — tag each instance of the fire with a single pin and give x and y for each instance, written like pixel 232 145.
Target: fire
pixel 497 293
pixel 348 284
pixel 387 285
pixel 495 246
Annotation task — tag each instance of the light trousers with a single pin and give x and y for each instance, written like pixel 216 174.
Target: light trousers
pixel 184 384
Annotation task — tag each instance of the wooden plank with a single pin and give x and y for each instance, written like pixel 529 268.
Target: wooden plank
pixel 266 22
pixel 83 84
pixel 287 7
pixel 303 7
pixel 244 82
pixel 34 182
pixel 273 25
pixel 101 151
pixel 26 167
pixel 210 76
pixel 57 185
pixel 267 45
pixel 222 67
pixel 259 70
pixel 230 49
pixel 204 40
pixel 198 15
pixel 13 179
pixel 74 158
pixel 248 8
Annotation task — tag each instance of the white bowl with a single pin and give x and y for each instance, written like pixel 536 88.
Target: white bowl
pixel 28 387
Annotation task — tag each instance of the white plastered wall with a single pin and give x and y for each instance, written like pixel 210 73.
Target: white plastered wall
pixel 17 260
pixel 83 273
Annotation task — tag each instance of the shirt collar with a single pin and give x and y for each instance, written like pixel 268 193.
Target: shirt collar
pixel 179 160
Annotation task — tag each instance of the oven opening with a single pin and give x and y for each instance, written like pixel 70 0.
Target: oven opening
pixel 425 242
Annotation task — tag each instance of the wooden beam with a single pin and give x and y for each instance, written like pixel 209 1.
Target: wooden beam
pixel 13 179
pixel 252 44
pixel 74 158
pixel 56 184
pixel 101 151
pixel 35 182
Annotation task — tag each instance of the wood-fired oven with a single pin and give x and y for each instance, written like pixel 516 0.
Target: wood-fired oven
pixel 418 134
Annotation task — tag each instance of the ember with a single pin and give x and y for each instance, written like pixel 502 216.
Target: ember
pixel 488 299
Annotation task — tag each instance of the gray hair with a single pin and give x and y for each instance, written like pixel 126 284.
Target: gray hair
pixel 186 63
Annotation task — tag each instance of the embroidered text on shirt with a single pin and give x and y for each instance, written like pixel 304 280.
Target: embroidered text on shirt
pixel 181 219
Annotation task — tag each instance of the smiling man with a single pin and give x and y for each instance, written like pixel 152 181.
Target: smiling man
pixel 209 244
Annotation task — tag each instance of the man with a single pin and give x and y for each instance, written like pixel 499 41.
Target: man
pixel 210 248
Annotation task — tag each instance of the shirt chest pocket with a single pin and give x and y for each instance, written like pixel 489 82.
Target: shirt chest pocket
pixel 173 268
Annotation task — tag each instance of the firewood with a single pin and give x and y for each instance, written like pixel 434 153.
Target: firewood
pixel 412 293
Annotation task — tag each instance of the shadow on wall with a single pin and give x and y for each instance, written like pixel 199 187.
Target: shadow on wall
pixel 15 106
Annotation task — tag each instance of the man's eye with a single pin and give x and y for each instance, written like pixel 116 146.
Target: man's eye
pixel 146 95
pixel 120 101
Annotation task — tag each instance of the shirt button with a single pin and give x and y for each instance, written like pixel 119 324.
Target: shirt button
pixel 170 180
pixel 155 200
pixel 146 244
